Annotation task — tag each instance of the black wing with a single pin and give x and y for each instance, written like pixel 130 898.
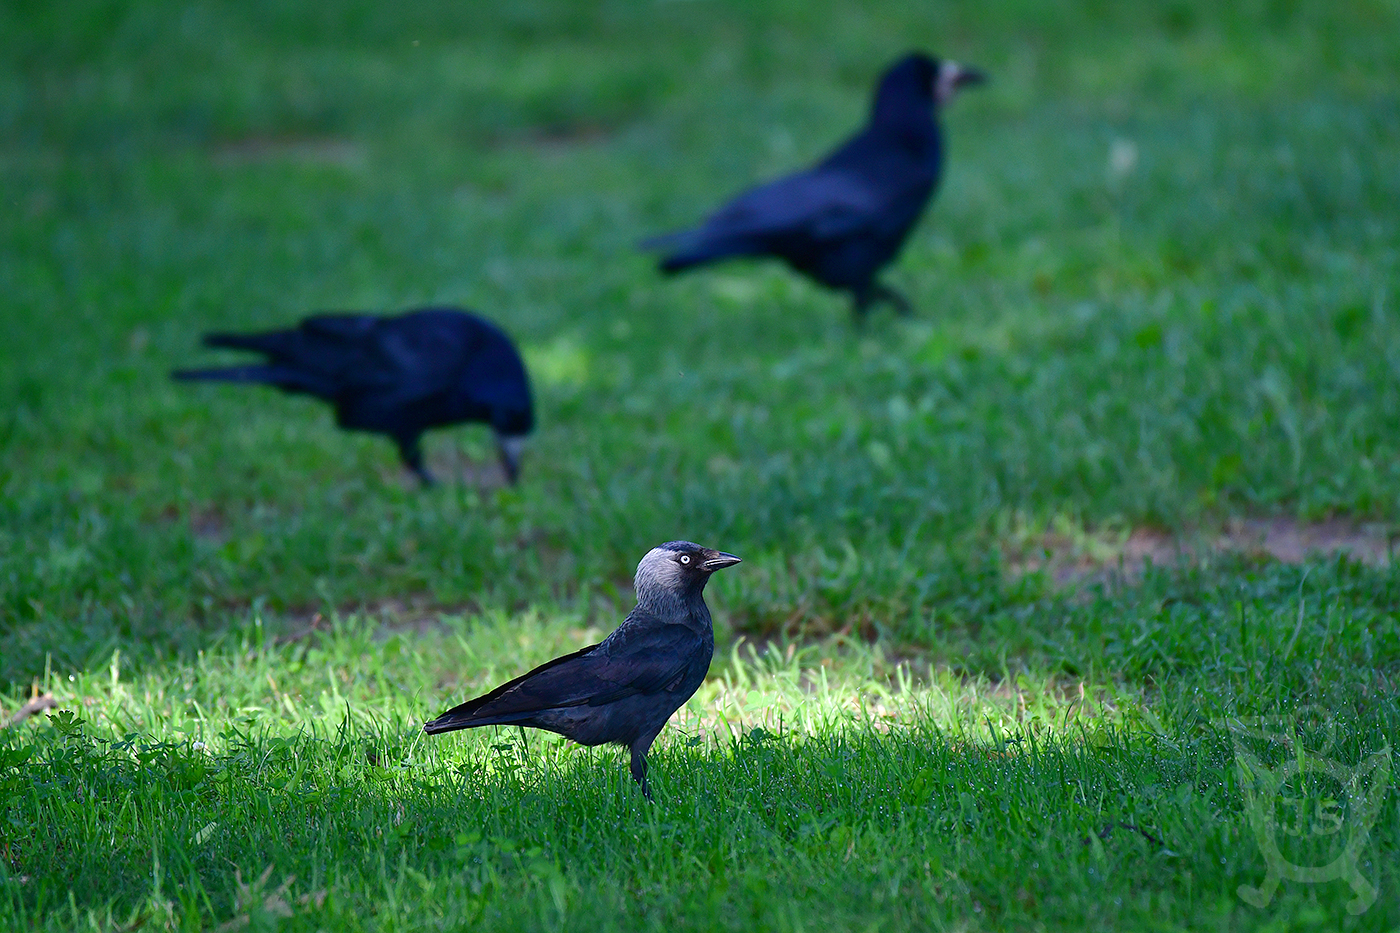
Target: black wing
pixel 642 657
pixel 324 355
pixel 819 204
pixel 402 359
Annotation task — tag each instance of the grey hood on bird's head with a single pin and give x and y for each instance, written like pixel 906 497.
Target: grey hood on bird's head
pixel 677 570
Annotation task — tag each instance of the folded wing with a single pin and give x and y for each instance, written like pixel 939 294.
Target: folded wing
pixel 819 204
pixel 651 661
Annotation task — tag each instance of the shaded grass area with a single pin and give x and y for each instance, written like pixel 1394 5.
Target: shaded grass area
pixel 1157 290
pixel 774 833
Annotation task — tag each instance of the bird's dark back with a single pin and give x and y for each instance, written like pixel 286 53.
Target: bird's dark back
pixel 435 367
pixel 321 356
pixel 399 374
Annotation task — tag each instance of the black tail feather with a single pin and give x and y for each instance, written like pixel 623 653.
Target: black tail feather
pixel 283 377
pixel 670 265
pixel 690 248
pixel 469 714
pixel 684 248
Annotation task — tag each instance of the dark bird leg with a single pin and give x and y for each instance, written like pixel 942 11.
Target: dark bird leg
pixel 866 298
pixel 412 453
pixel 639 769
pixel 897 301
pixel 509 448
pixel 639 759
pixel 860 305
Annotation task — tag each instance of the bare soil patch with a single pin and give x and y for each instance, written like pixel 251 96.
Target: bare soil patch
pixel 1075 559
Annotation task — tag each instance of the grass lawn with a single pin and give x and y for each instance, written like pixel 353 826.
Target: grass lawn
pixel 1156 295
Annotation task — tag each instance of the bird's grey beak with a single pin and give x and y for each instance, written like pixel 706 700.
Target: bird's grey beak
pixel 952 78
pixel 718 560
pixel 511 448
pixel 966 77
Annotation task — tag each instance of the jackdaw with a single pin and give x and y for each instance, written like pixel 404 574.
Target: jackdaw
pixel 623 689
pixel 398 376
pixel 843 220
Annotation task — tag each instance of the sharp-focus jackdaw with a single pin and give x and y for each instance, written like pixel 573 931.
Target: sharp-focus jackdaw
pixel 398 375
pixel 843 220
pixel 623 689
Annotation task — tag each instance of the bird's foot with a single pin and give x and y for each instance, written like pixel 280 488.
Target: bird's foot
pixel 901 305
pixel 877 294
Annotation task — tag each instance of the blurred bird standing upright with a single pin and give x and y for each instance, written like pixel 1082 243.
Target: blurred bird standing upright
pixel 623 689
pixel 843 220
pixel 398 376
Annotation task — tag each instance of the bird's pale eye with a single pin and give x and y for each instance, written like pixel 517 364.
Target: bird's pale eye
pixel 685 558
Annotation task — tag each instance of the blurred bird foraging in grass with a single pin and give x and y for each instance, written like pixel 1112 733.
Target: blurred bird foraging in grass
pixel 845 219
pixel 395 375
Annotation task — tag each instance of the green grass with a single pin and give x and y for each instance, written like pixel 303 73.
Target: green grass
pixel 1202 326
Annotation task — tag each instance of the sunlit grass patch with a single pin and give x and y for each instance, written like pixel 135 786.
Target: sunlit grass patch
pixel 352 672
pixel 815 688
pixel 822 781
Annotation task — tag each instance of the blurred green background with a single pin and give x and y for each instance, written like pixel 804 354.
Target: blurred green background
pixel 1156 290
